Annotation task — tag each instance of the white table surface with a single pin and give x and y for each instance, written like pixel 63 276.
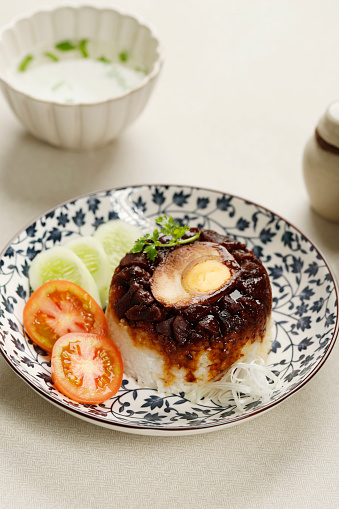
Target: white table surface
pixel 243 86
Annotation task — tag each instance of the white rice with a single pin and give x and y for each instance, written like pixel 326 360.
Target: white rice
pixel 146 365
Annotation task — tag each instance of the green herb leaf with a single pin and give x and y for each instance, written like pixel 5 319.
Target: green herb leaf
pixel 104 60
pixel 24 63
pixel 139 68
pixel 83 47
pixel 156 234
pixel 123 56
pixel 149 244
pixel 151 251
pixel 51 56
pixel 139 245
pixel 169 227
pixel 65 46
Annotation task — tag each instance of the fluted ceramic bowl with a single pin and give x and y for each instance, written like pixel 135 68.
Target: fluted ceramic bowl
pixel 78 31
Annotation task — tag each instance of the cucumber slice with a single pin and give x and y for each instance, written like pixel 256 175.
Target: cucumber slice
pixel 61 263
pixel 93 255
pixel 117 239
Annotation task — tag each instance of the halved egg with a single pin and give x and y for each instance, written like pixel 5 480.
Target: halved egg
pixel 193 274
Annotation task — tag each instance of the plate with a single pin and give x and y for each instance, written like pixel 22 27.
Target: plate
pixel 305 309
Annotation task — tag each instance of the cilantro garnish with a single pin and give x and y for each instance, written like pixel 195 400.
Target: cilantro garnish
pixel 149 243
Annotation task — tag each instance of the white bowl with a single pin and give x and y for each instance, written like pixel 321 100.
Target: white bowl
pixel 79 126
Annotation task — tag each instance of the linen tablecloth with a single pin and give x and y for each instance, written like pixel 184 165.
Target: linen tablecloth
pixel 242 88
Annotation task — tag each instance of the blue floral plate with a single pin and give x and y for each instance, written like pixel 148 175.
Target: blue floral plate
pixel 305 309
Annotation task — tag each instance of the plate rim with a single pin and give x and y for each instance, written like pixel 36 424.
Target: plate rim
pixel 156 430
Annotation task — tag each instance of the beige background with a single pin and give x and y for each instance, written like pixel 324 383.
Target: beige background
pixel 242 88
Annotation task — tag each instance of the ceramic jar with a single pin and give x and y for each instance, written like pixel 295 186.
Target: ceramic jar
pixel 321 165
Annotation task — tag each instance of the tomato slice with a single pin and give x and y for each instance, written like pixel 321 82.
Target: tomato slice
pixel 60 307
pixel 86 367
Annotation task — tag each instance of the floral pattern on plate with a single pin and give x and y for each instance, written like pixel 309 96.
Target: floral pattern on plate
pixel 305 309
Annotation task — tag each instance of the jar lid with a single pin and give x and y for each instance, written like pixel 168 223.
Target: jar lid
pixel 328 126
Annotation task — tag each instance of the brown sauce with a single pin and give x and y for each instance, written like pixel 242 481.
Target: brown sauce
pixel 221 327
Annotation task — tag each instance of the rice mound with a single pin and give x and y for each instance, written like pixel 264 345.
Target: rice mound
pixel 174 346
pixel 147 366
